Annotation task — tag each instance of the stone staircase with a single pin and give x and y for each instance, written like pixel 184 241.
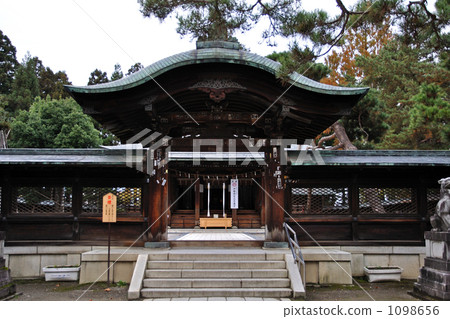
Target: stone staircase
pixel 216 273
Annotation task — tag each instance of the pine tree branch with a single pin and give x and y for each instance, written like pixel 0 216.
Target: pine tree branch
pixel 324 139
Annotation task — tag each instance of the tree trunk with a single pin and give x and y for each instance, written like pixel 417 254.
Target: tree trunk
pixel 4 139
pixel 342 136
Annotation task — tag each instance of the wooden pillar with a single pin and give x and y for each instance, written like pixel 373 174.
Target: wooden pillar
pixel 421 206
pixel 77 206
pixel 165 204
pixel 353 198
pixel 234 218
pixel 275 187
pixel 154 209
pixel 262 197
pixel 6 199
pixel 145 209
pixel 197 202
pixel 158 201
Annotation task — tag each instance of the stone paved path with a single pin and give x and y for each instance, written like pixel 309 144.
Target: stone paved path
pixel 219 299
pixel 216 236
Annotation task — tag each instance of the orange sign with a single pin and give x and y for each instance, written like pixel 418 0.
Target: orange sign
pixel 109 208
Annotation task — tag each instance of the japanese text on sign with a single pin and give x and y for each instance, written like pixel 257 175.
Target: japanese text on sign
pixel 109 208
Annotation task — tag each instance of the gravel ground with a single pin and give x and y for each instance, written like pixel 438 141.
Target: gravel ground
pixel 40 290
pixel 380 291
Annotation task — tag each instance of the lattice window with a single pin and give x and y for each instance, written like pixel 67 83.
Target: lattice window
pixel 319 200
pixel 389 201
pixel 42 200
pixel 129 200
pixel 433 196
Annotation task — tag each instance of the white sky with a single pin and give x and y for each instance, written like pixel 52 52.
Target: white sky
pixel 64 37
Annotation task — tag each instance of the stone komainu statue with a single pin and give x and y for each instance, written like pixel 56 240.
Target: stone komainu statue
pixel 441 220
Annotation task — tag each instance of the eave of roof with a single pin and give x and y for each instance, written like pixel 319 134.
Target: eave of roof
pixel 369 158
pixel 121 157
pixel 69 157
pixel 216 53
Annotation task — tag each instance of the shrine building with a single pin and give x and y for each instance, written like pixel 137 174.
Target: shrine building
pixel 224 140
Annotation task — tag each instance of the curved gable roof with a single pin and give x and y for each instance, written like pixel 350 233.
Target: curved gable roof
pixel 213 52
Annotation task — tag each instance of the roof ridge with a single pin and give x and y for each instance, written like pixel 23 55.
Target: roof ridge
pixel 210 55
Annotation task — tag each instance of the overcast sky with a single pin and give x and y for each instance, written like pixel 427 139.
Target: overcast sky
pixel 78 36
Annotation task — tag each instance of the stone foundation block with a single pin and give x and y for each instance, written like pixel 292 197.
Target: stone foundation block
pixel 52 260
pixel 357 265
pixel 74 259
pixel 123 271
pixel 312 273
pixel 25 266
pixel 95 271
pixel 335 273
pixel 376 260
pixel 409 263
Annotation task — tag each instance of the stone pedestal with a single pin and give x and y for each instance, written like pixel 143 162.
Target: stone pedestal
pixel 6 286
pixel 434 277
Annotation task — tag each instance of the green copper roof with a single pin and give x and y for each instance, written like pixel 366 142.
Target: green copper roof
pixel 370 158
pixel 68 157
pixel 120 157
pixel 213 52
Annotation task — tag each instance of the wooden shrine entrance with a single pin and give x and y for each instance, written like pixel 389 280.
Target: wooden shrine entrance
pixel 209 196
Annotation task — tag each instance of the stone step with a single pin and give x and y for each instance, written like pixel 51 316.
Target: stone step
pixel 205 264
pixel 217 283
pixel 215 292
pixel 216 273
pixel 217 255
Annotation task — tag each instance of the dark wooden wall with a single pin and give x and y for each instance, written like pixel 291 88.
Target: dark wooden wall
pixel 355 225
pixel 74 226
pixel 350 227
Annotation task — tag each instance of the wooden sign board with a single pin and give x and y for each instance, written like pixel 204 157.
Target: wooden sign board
pixel 109 208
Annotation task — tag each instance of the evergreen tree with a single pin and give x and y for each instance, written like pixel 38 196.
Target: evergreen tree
pixel 5 120
pixel 54 124
pixel 52 84
pixel 429 117
pixel 425 122
pixel 290 61
pixel 400 72
pixel 25 86
pixel 134 68
pixel 219 19
pixel 8 64
pixel 117 74
pixel 97 77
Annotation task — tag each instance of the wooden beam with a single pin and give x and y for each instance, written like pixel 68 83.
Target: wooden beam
pixel 234 217
pixel 353 194
pixel 421 204
pixel 77 206
pixel 154 209
pixel 197 202
pixel 274 176
pixel 5 204
pixel 165 210
pixel 262 198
